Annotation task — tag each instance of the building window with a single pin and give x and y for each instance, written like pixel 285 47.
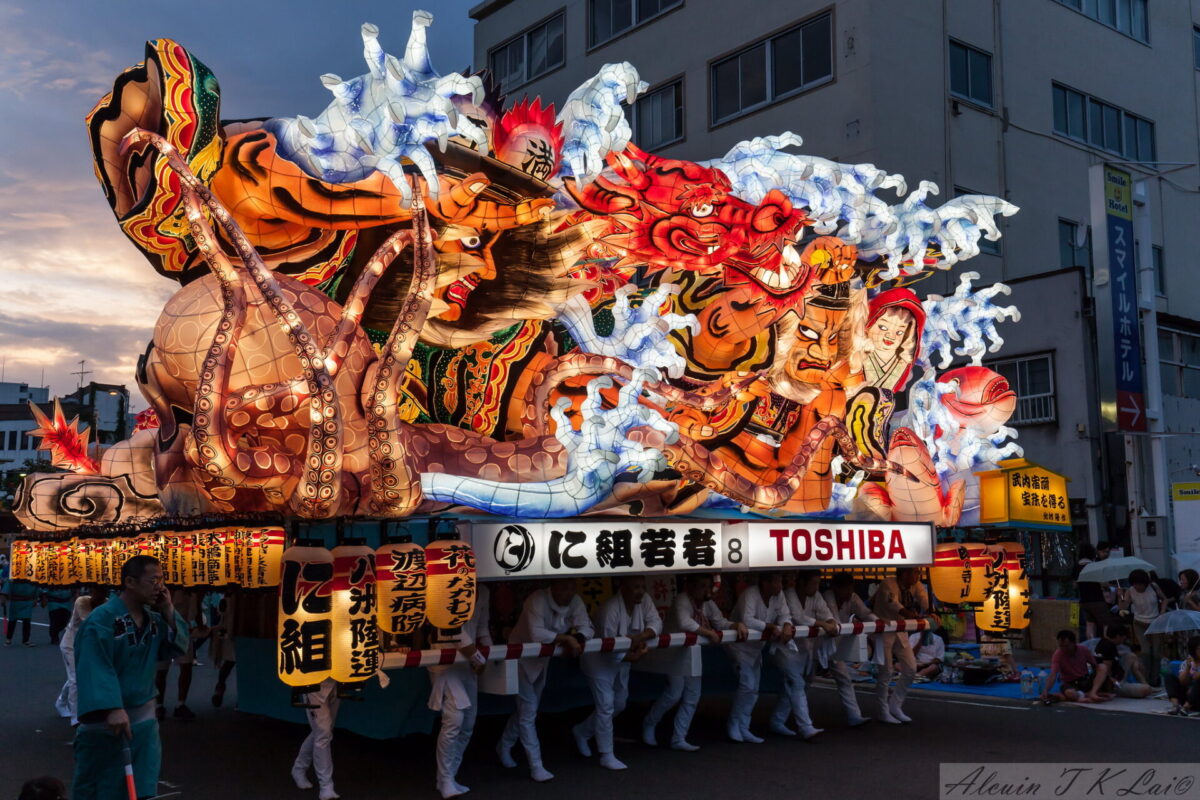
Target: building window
pixel 1125 16
pixel 1102 125
pixel 1196 46
pixel 1160 278
pixel 1179 362
pixel 657 117
pixel 1032 378
pixel 529 55
pixel 985 246
pixel 1074 250
pixel 12 441
pixel 772 69
pixel 611 18
pixel 970 74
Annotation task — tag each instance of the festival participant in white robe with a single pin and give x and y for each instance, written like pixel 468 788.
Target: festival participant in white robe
pixel 68 699
pixel 317 750
pixel 847 607
pixel 807 608
pixel 555 615
pixel 759 608
pixel 456 692
pixel 630 612
pixel 693 612
pixel 899 598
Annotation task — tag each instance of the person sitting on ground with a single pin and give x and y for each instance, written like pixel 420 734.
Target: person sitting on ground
pixel 930 650
pixel 1184 688
pixel 46 787
pixel 1110 674
pixel 1074 666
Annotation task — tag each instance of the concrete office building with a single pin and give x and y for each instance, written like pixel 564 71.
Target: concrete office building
pixel 1021 100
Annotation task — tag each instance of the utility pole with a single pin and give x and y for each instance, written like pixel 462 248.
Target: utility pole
pixel 82 373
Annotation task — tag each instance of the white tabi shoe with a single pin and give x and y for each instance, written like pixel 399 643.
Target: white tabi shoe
pixel 300 778
pixel 685 746
pixel 750 738
pixel 735 733
pixel 811 733
pixel 781 729
pixel 505 756
pixel 610 761
pixel 540 773
pixel 327 793
pixel 896 711
pixel 887 718
pixel 581 742
pixel 648 735
pixel 449 789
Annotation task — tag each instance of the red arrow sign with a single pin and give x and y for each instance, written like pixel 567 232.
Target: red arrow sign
pixel 1129 411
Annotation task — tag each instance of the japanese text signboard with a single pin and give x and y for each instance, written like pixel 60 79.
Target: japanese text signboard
pixel 1024 494
pixel 519 550
pixel 1127 344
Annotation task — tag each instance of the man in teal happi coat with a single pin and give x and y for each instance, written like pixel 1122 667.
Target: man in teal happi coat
pixel 117 650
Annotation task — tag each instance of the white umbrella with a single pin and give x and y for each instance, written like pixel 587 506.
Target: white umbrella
pixel 1112 569
pixel 1175 622
pixel 1187 561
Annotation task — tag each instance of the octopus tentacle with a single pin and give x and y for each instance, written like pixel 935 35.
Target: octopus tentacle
pixel 699 464
pixel 356 302
pixel 319 488
pixel 395 487
pixel 545 382
pixel 216 448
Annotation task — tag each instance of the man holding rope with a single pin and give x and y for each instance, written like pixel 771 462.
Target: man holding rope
pixel 117 649
pixel 554 615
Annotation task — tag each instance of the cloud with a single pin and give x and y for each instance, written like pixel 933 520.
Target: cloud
pixel 33 62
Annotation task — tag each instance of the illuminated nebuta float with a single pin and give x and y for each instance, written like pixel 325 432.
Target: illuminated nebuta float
pixel 431 299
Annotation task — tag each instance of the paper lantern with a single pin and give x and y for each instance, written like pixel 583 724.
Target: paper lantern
pixel 72 562
pixel 172 565
pixel 43 562
pixel 208 558
pixel 305 616
pixel 262 556
pixel 20 563
pixel 118 551
pixel 450 583
pixel 1006 588
pixel 957 572
pixel 400 576
pixel 191 560
pixel 356 637
pixel 233 560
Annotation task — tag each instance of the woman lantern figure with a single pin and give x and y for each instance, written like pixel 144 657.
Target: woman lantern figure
pixel 894 325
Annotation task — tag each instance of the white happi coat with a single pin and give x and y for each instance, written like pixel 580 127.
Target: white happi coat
pixel 542 621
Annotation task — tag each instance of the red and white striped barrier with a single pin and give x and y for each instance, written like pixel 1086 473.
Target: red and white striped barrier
pixel 619 644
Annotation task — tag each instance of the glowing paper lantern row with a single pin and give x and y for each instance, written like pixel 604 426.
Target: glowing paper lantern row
pixel 1006 599
pixel 450 588
pixel 400 577
pixel 262 552
pixel 305 616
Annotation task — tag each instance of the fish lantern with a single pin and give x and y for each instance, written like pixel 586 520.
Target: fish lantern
pixel 957 572
pixel 20 567
pixel 1006 589
pixel 262 555
pixel 400 576
pixel 356 637
pixel 450 583
pixel 305 616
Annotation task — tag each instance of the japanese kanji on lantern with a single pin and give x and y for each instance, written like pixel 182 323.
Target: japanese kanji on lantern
pixel 19 565
pixel 262 553
pixel 355 645
pixel 72 556
pixel 1006 589
pixel 400 578
pixel 450 583
pixel 957 574
pixel 173 559
pixel 305 616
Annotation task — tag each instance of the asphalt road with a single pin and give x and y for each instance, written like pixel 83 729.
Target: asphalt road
pixel 230 755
